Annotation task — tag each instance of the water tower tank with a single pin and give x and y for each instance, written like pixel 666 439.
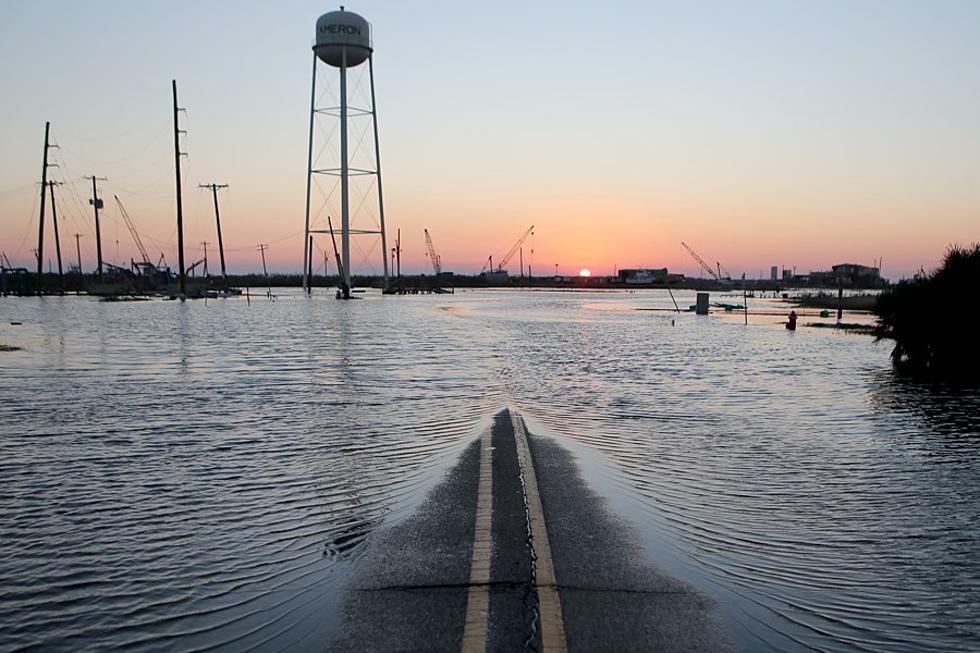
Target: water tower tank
pixel 338 30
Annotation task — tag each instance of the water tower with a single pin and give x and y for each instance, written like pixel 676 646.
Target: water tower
pixel 343 42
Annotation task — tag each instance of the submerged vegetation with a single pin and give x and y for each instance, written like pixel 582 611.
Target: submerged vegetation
pixel 931 318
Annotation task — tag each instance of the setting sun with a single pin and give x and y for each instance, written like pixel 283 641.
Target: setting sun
pixel 585 272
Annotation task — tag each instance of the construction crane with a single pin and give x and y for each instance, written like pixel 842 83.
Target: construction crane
pixel 509 255
pixel 433 257
pixel 723 274
pixel 704 265
pixel 132 230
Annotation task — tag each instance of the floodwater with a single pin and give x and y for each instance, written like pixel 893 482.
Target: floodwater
pixel 201 476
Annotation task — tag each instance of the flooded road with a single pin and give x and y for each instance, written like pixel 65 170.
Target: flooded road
pixel 203 476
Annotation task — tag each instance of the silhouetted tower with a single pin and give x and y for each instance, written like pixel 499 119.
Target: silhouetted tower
pixel 343 41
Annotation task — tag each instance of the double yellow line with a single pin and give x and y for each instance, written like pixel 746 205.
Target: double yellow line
pixel 478 597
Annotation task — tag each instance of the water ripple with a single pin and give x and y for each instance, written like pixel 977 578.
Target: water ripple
pixel 207 476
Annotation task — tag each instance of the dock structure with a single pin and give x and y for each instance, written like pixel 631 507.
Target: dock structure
pixel 513 551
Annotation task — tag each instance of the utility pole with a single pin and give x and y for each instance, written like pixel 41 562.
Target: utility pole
pixel 217 218
pixel 57 239
pixel 78 253
pixel 265 271
pixel 262 249
pixel 96 203
pixel 180 210
pixel 398 251
pixel 44 193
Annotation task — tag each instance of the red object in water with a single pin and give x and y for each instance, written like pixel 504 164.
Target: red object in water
pixel 791 325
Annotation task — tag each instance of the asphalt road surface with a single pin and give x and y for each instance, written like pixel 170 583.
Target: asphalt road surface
pixel 514 552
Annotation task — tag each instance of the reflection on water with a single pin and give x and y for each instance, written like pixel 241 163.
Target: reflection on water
pixel 180 476
pixel 930 408
pixel 191 475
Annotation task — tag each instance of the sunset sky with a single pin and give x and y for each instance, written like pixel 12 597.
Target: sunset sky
pixel 760 133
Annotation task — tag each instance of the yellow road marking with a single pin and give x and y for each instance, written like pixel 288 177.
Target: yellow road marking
pixel 478 596
pixel 549 604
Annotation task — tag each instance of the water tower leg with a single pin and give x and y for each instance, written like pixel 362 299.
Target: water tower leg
pixel 309 178
pixel 344 182
pixel 377 160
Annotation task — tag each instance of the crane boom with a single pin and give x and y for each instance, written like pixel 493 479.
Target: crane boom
pixel 513 250
pixel 132 230
pixel 433 257
pixel 704 265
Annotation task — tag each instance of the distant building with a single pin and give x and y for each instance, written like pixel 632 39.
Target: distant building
pixel 774 273
pixel 849 275
pixel 822 278
pixel 858 276
pixel 643 275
